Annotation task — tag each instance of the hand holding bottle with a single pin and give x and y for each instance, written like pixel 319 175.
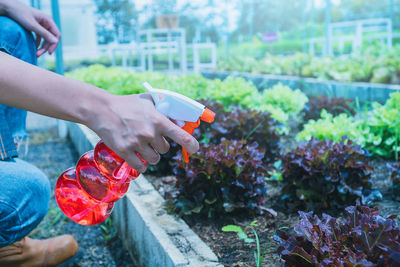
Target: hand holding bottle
pixel 141 130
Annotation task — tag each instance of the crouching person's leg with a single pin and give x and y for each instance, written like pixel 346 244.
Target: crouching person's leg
pixel 24 200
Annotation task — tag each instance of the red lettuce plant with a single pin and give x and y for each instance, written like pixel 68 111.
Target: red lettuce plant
pixel 221 178
pixel 364 239
pixel 324 174
pixel 235 124
pixel 395 168
pixel 333 105
pixel 243 124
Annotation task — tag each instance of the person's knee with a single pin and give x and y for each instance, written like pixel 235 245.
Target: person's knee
pixel 17 41
pixel 39 185
pixel 24 202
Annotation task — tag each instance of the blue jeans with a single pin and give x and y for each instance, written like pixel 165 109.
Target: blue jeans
pixel 24 189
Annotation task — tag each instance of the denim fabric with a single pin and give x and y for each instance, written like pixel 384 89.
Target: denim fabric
pixel 24 189
pixel 24 199
pixel 18 42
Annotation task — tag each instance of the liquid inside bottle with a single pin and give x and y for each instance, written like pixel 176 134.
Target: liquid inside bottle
pixel 77 204
pixel 86 194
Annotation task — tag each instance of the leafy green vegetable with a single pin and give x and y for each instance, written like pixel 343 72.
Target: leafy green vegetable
pixel 289 101
pixel 364 239
pixel 395 177
pixel 333 128
pixel 384 125
pixel 243 124
pixel 333 105
pixel 281 102
pixel 381 67
pixel 324 174
pixel 220 179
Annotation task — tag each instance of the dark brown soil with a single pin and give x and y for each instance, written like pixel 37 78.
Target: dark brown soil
pixel 232 251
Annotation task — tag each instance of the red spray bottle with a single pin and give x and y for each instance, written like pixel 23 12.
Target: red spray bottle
pixel 86 193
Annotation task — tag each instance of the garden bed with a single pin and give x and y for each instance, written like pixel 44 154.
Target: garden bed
pixel 230 250
pixel 269 155
pixel 233 252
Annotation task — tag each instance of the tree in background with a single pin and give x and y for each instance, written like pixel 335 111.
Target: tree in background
pixel 116 20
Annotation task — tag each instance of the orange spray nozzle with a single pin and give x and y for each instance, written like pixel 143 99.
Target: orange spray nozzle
pixel 207 116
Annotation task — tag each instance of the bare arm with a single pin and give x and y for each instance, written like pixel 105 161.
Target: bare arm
pixel 127 124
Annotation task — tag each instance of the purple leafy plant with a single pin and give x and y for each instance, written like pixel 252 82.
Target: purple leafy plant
pixel 333 105
pixel 221 178
pixel 243 124
pixel 364 239
pixel 324 174
pixel 395 177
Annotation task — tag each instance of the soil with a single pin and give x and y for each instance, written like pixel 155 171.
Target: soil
pixel 232 251
pixel 99 244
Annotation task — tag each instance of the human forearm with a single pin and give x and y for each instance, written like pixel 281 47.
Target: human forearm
pixel 127 124
pixel 28 87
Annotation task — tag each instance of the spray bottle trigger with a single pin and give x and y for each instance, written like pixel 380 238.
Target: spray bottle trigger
pixel 189 128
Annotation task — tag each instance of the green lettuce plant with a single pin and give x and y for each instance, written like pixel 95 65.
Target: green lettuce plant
pixel 384 125
pixel 373 65
pixel 333 128
pixel 289 101
pixel 232 91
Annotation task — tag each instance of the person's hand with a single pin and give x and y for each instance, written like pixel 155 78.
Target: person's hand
pixel 132 125
pixel 38 22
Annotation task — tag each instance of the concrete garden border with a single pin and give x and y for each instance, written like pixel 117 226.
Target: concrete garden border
pixel 365 92
pixel 153 237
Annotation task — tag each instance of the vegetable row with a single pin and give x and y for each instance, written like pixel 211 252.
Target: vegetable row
pixel 371 66
pixel 240 153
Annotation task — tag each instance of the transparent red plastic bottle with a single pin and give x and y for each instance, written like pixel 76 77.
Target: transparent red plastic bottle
pixel 86 193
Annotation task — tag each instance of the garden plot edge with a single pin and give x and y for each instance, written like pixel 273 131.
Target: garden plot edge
pixel 151 235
